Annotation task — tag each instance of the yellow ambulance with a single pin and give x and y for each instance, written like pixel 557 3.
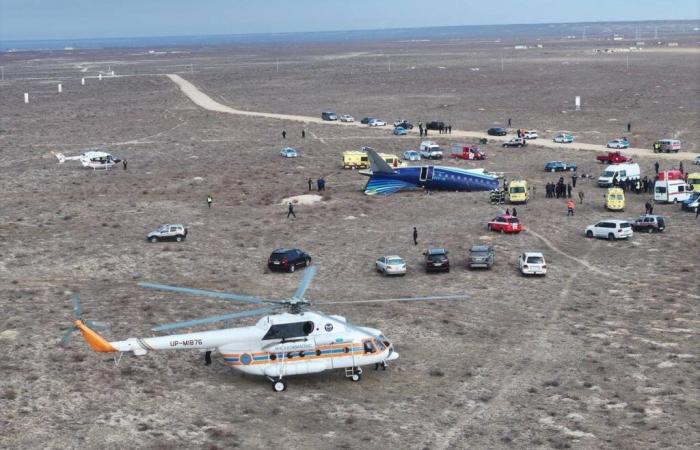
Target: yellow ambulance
pixel 517 191
pixel 359 160
pixel 694 181
pixel 615 199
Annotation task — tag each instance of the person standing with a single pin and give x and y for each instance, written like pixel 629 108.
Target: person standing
pixel 210 199
pixel 680 167
pixel 507 212
pixel 647 207
pixel 290 211
pixel 415 236
pixel 124 163
pixel 570 207
pixel 651 206
pixel 311 183
pixel 284 134
pixel 580 196
pixel 568 190
pixel 629 126
pixel 656 167
pixel 515 212
pixel 303 134
pixel 574 177
pixel 509 121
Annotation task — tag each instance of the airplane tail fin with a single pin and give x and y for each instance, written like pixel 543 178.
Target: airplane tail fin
pixel 93 339
pixel 377 163
pixel 61 158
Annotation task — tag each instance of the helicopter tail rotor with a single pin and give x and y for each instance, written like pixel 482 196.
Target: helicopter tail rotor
pixel 77 313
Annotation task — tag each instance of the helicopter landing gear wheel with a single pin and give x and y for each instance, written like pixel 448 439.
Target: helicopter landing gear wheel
pixel 356 377
pixel 279 385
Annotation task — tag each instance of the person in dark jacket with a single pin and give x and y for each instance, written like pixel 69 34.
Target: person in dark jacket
pixel 415 236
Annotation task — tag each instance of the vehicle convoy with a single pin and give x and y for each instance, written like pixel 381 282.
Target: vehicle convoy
pixel 288 259
pixel 517 192
pixel 168 232
pixel 436 260
pixel 564 138
pixel 481 256
pixel 468 152
pixel 667 146
pixel 391 265
pixel 328 115
pixel 618 172
pixel 497 131
pixel 671 187
pixel 516 142
pixel 649 223
pixel 619 143
pixel 355 159
pixel 430 150
pixel 613 158
pixel 615 199
pixel 610 229
pixel 505 223
pixel 532 263
pixel 559 166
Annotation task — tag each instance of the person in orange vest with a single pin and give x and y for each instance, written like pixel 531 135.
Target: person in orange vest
pixel 570 207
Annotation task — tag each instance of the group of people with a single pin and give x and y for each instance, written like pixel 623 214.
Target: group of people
pixel 320 184
pixel 442 129
pixel 558 189
pixel 637 186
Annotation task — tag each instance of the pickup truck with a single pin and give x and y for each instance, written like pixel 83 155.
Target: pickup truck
pixel 613 158
pixel 430 150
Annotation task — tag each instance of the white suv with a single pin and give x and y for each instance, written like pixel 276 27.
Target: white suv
pixel 168 232
pixel 532 263
pixel 610 229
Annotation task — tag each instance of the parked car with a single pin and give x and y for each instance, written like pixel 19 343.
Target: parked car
pixel 532 263
pixel 376 123
pixel 564 138
pixel 347 118
pixel 613 158
pixel 505 223
pixel 430 150
pixel 696 161
pixel 403 124
pixel 497 131
pixel 391 265
pixel 610 229
pixel 691 203
pixel 530 134
pixel 168 232
pixel 434 125
pixel 436 259
pixel 328 115
pixel 481 256
pixel 288 152
pixel 288 259
pixel 398 131
pixel 618 143
pixel 559 166
pixel 516 142
pixel 411 155
pixel 649 223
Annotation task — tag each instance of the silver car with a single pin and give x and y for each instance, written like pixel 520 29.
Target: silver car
pixel 391 265
pixel 481 256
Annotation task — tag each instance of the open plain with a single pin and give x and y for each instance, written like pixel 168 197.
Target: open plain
pixel 600 353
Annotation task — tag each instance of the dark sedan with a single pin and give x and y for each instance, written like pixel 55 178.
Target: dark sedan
pixel 497 131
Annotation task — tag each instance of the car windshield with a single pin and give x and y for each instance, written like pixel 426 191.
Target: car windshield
pixel 535 260
pixel 608 173
pixel 624 225
pixel 517 190
pixel 513 220
pixel 394 261
pixel 479 253
pixel 278 256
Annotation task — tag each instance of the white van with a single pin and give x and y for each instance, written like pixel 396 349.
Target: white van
pixel 620 172
pixel 671 191
pixel 667 145
pixel 430 150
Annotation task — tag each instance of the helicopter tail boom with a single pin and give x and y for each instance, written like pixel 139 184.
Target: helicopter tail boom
pixel 93 339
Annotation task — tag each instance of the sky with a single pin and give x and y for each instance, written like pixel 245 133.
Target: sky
pixel 78 19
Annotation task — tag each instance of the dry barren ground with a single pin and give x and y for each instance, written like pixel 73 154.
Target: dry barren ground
pixel 601 353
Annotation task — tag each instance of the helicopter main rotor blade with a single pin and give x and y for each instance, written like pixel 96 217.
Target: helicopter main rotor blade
pixel 212 319
pixel 203 293
pixel 76 306
pixel 304 283
pixel 403 299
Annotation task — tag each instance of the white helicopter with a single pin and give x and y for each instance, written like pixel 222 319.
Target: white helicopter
pixel 93 159
pixel 296 342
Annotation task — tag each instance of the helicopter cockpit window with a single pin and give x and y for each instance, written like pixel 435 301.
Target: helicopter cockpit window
pixel 369 346
pixel 380 345
pixel 289 330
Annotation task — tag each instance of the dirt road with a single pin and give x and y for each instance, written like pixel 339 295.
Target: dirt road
pixel 203 100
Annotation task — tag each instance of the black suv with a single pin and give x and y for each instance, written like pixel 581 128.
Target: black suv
pixel 288 259
pixel 435 125
pixel 436 259
pixel 497 131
